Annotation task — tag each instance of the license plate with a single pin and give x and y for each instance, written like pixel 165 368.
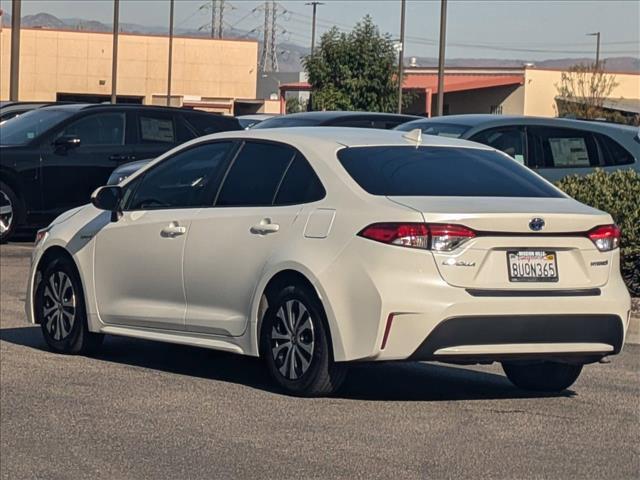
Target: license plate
pixel 532 266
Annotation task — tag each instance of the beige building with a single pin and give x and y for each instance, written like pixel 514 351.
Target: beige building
pixel 213 74
pixel 508 91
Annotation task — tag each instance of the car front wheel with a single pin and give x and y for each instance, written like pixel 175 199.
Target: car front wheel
pixel 8 212
pixel 542 376
pixel 60 310
pixel 296 344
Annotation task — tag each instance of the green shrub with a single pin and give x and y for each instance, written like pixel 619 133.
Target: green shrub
pixel 618 194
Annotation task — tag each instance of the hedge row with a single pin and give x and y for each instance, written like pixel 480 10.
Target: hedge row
pixel 618 194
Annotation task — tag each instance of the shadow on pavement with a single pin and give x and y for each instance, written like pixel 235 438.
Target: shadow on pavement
pixel 397 381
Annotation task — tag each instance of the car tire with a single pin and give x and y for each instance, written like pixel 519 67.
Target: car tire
pixel 296 345
pixel 9 212
pixel 542 376
pixel 60 310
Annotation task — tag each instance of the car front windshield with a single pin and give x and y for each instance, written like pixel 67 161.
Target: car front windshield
pixel 24 128
pixel 440 129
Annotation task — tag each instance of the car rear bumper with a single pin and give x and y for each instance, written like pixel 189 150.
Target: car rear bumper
pixel 522 336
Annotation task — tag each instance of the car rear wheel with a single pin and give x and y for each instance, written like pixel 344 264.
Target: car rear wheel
pixel 542 376
pixel 296 345
pixel 60 310
pixel 8 212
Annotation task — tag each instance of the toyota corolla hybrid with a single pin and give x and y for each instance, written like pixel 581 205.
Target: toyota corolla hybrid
pixel 313 248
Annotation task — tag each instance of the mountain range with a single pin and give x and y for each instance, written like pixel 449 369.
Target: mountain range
pixel 291 53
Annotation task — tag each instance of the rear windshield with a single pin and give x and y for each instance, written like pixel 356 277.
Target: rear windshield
pixel 441 171
pixel 440 129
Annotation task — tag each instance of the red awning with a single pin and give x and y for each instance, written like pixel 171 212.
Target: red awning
pixel 452 83
pixel 458 83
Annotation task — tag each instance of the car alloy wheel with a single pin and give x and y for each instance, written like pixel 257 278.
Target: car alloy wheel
pixel 6 213
pixel 59 305
pixel 292 340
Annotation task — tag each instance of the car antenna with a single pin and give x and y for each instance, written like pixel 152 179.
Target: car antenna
pixel 414 135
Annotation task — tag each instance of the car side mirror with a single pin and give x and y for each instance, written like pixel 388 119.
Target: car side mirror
pixel 66 142
pixel 108 198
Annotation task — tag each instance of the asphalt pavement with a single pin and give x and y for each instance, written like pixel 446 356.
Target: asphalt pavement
pixel 142 409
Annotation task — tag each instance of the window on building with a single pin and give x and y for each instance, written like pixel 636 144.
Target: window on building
pixel 496 110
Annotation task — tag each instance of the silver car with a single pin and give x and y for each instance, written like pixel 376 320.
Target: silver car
pixel 553 147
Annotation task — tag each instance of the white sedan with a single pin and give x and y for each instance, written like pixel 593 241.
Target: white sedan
pixel 313 248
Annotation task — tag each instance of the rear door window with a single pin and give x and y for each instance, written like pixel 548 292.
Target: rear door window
pixel 441 171
pixel 157 127
pixel 612 152
pixel 562 148
pixel 255 175
pixel 300 184
pixel 510 140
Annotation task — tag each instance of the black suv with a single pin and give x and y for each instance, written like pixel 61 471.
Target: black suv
pixel 52 158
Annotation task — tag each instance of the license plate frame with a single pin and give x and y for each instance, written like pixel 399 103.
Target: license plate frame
pixel 539 258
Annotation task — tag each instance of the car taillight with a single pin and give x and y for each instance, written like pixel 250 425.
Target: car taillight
pixel 445 238
pixel 605 237
pixel 428 236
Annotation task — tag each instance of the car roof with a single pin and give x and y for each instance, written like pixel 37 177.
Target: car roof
pixel 344 136
pixel 335 114
pixel 486 119
pixel 74 107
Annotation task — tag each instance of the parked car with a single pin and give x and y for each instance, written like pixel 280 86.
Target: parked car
pixel 9 110
pixel 54 157
pixel 248 121
pixel 553 147
pixel 383 121
pixel 313 248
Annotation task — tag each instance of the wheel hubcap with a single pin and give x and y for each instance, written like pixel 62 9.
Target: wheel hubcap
pixel 59 305
pixel 292 340
pixel 6 213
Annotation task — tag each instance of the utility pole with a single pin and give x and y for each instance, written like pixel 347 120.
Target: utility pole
pixel 220 16
pixel 114 58
pixel 313 23
pixel 213 18
pixel 170 52
pixel 597 35
pixel 401 59
pixel 14 69
pixel 443 36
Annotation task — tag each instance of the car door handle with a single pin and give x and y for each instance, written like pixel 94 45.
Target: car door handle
pixel 264 227
pixel 173 230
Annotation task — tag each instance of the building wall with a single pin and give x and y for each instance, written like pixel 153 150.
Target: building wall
pixel 541 90
pixel 509 98
pixel 80 62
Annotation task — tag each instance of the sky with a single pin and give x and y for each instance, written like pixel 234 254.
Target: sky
pixel 505 29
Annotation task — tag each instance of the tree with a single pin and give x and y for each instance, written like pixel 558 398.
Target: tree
pixel 354 71
pixel 583 90
pixel 296 105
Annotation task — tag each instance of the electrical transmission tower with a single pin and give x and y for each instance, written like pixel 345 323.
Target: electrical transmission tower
pixel 217 17
pixel 269 54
